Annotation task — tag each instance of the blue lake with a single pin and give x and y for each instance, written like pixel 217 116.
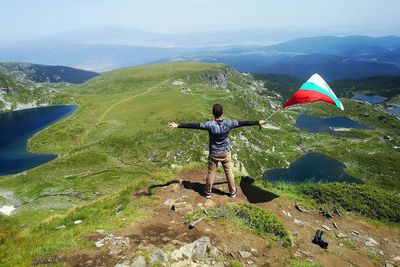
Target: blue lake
pixel 316 124
pixel 375 99
pixel 312 167
pixel 17 127
pixel 393 110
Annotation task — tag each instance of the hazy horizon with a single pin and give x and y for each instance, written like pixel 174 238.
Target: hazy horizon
pixel 35 19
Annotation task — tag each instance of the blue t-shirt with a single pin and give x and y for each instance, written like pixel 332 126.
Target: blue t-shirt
pixel 218 132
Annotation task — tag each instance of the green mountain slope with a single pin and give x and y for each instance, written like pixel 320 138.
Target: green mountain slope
pixel 118 138
pixel 24 85
pixel 120 127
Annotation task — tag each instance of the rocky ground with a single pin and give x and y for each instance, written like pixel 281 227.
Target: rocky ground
pixel 168 238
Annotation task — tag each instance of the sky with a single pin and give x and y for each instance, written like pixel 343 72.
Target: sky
pixel 24 19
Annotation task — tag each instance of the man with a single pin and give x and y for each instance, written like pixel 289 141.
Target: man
pixel 219 146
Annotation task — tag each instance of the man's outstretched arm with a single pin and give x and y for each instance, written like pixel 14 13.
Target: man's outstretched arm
pixel 194 125
pixel 250 123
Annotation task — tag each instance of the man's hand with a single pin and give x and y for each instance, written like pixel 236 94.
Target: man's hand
pixel 262 122
pixel 173 125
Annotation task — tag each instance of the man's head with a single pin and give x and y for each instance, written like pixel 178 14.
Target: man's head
pixel 217 110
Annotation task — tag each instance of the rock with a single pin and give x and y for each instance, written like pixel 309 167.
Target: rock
pixel 182 206
pixel 335 225
pixel 196 249
pixel 381 253
pixel 388 137
pixel 371 242
pixel 60 227
pixel 101 231
pixel 300 208
pixel 326 227
pixel 289 215
pixel 139 261
pixel 340 235
pixel 253 250
pixel 78 222
pixel 297 254
pixel 119 245
pixel 284 212
pixel 165 239
pixel 157 256
pixel 200 247
pixel 245 254
pixel 305 253
pixel 121 265
pixel 389 264
pixel 298 222
pixel 214 251
pixel 397 258
pixel 354 232
pixel 169 202
pixel 337 212
pixel 99 243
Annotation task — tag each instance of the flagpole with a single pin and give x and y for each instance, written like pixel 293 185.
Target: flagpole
pixel 276 111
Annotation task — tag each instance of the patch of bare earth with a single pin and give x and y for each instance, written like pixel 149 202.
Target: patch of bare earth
pixel 355 242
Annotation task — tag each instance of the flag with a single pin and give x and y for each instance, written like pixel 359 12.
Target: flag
pixel 315 89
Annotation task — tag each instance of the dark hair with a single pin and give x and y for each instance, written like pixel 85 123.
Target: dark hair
pixel 217 110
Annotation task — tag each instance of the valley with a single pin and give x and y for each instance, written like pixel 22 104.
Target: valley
pixel 115 151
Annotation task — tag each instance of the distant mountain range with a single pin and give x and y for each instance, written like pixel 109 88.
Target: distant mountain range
pixel 248 51
pixel 43 73
pixel 332 57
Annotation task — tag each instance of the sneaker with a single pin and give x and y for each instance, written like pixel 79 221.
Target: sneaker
pixel 207 194
pixel 233 194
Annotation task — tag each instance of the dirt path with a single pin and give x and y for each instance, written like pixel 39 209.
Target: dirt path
pixel 84 136
pixel 101 118
pixel 168 228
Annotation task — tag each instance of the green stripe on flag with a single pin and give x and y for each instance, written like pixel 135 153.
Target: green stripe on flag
pixel 313 87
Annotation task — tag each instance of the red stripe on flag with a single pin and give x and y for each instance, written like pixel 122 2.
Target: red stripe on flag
pixel 307 96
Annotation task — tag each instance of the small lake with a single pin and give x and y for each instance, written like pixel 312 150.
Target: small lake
pixel 312 167
pixel 375 99
pixel 393 110
pixel 315 124
pixel 17 127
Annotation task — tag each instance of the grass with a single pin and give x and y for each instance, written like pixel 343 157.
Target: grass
pixel 118 138
pixel 293 262
pixel 260 220
pixel 46 239
pixel 366 200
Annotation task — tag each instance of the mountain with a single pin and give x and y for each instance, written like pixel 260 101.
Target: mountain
pixel 332 57
pixel 256 51
pixel 135 37
pixel 45 73
pixel 93 57
pixel 124 185
pixel 24 85
pixel 347 46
